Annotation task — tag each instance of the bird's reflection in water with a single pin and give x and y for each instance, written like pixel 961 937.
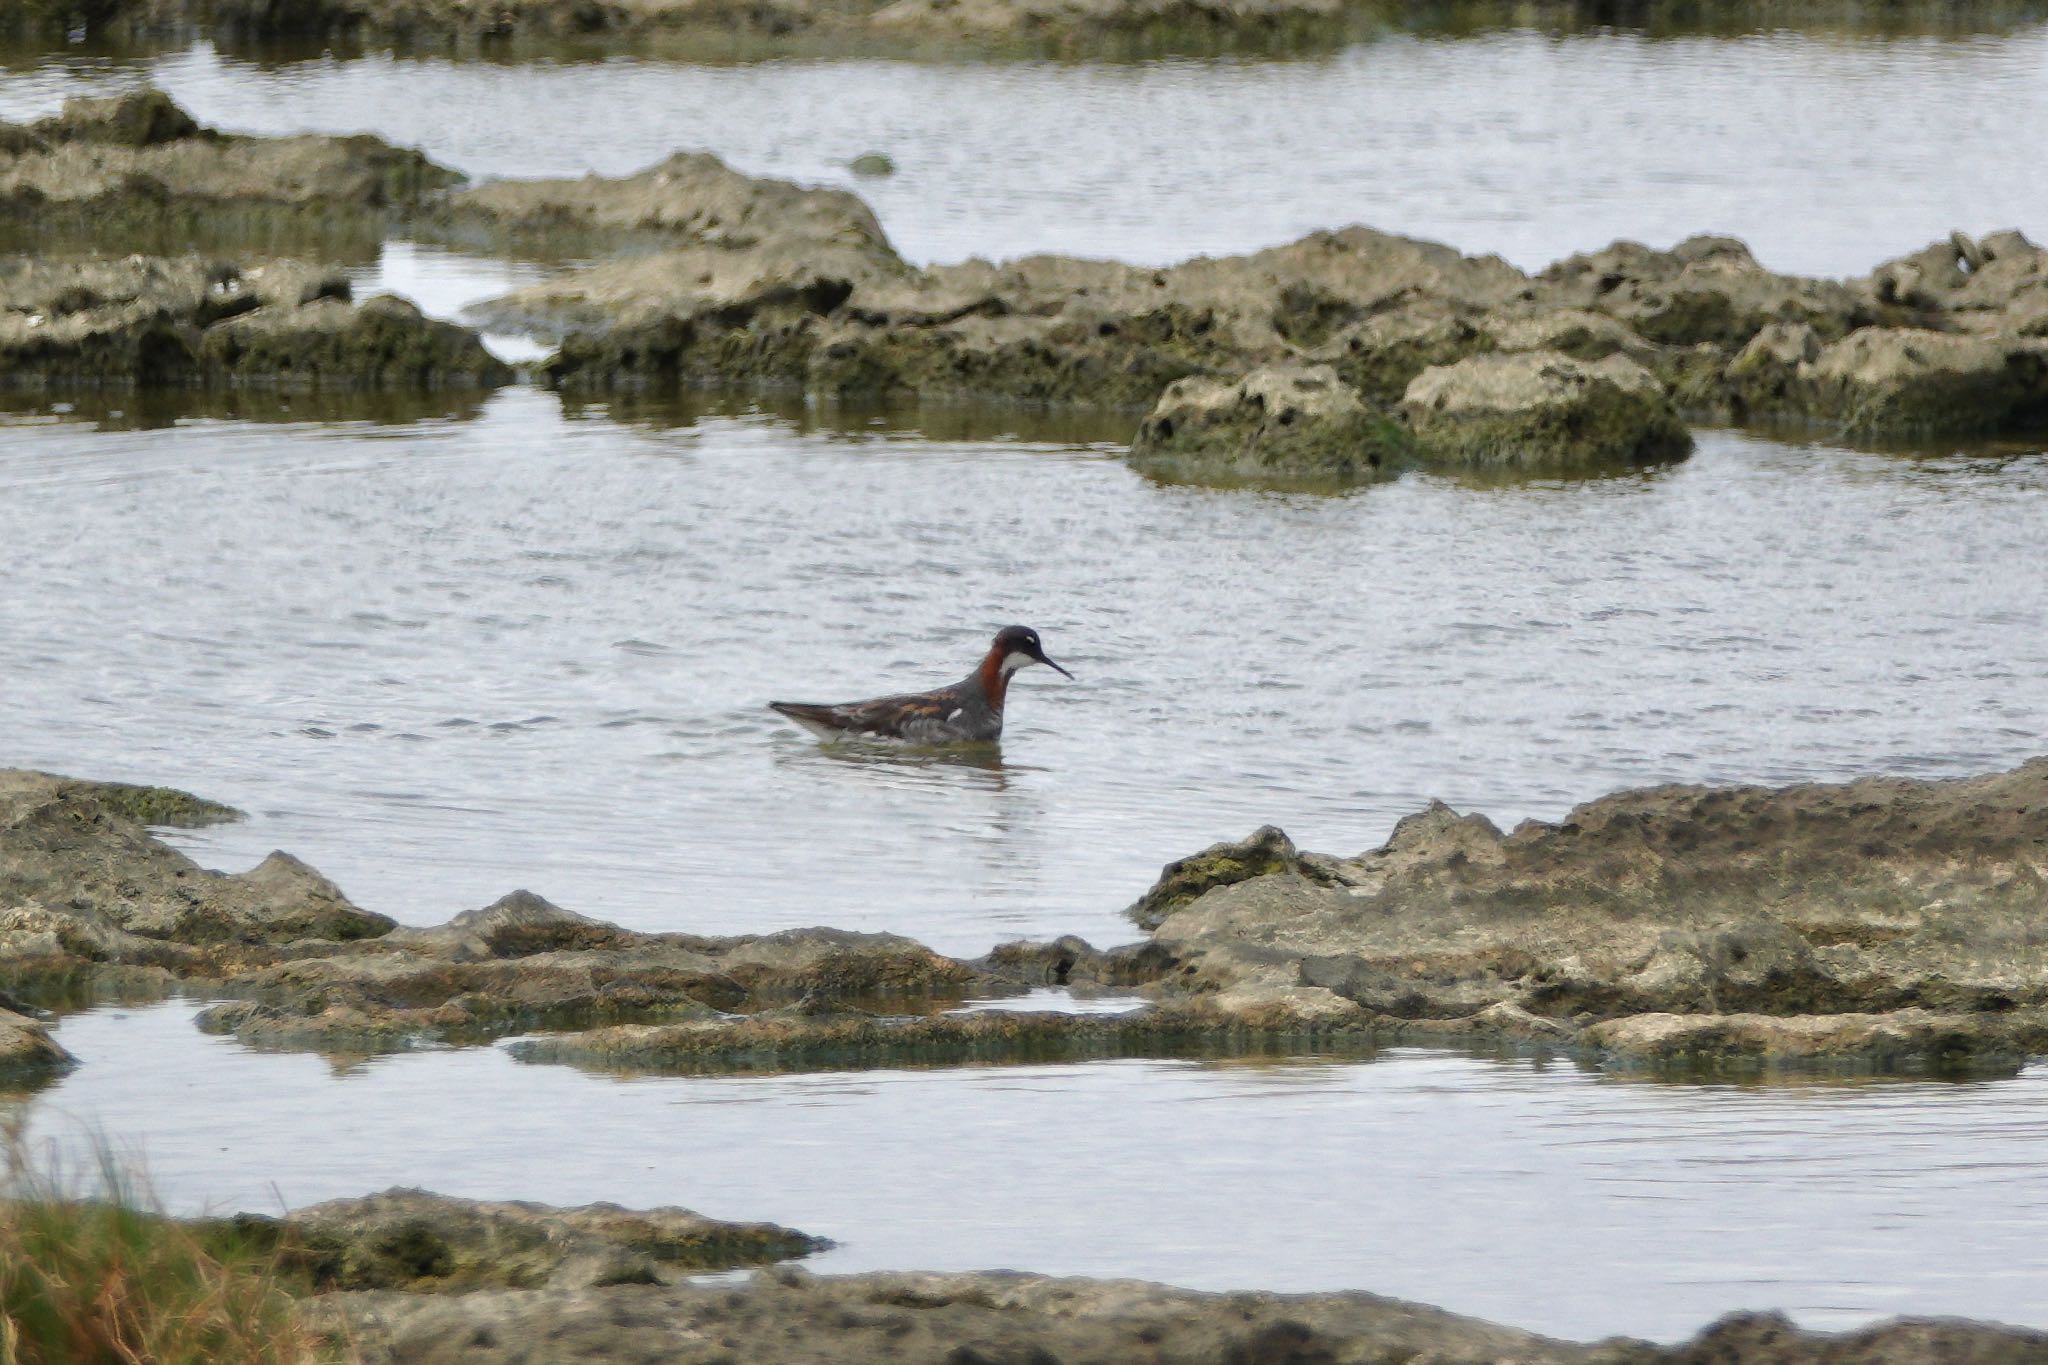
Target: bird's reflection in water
pixel 963 794
pixel 973 767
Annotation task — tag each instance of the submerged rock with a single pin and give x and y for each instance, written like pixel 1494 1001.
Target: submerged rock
pixel 1907 1042
pixel 1543 410
pixel 1274 425
pixel 807 1040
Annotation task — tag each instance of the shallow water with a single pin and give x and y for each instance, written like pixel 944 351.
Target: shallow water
pixel 1826 154
pixel 446 659
pixel 1541 1196
pixel 444 647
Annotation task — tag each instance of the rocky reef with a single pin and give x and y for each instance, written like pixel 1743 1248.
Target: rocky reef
pixel 1332 360
pixel 424 1243
pixel 1008 1317
pixel 1880 926
pixel 188 322
pixel 410 1276
pixel 135 173
pixel 1389 351
pixel 1883 926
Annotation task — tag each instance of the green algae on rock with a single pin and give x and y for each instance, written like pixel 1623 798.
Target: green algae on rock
pixel 62 850
pixel 29 1056
pixel 1273 426
pixel 1006 1316
pixel 1543 410
pixel 420 1242
pixel 162 807
pixel 1181 882
pixel 134 172
pixel 804 1040
pixel 1885 926
pixel 191 322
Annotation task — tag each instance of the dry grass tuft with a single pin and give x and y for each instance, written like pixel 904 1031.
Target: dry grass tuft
pixel 99 1276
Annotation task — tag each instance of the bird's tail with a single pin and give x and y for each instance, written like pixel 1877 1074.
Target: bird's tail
pixel 819 720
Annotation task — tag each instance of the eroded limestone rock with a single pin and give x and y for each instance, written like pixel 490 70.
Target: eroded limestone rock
pixel 191 322
pixel 1543 410
pixel 420 1242
pixel 1275 425
pixel 136 172
pixel 62 848
pixel 28 1054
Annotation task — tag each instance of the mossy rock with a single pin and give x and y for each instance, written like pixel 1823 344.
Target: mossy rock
pixel 1543 410
pixel 1278 426
pixel 1184 881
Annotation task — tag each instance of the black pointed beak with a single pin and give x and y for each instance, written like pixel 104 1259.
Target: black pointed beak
pixel 1039 655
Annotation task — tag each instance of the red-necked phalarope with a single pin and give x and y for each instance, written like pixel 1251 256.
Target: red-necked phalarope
pixel 968 712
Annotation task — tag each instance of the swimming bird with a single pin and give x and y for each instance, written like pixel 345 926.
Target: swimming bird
pixel 968 712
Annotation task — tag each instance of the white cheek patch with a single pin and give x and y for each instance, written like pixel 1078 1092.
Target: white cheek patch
pixel 1013 662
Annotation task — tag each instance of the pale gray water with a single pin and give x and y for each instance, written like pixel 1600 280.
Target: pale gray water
pixel 443 660
pixel 1826 154
pixel 485 645
pixel 1539 1196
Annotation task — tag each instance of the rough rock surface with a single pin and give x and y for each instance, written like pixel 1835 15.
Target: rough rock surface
pixel 1789 915
pixel 1705 290
pixel 1045 329
pixel 136 172
pixel 1296 423
pixel 190 322
pixel 421 1242
pixel 1543 410
pixel 958 1319
pixel 1884 925
pixel 1896 381
pixel 523 964
pixel 67 856
pixel 691 199
pixel 28 1055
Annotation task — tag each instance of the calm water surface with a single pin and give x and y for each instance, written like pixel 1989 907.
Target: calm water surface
pixel 1826 154
pixel 482 644
pixel 444 659
pixel 1543 1197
